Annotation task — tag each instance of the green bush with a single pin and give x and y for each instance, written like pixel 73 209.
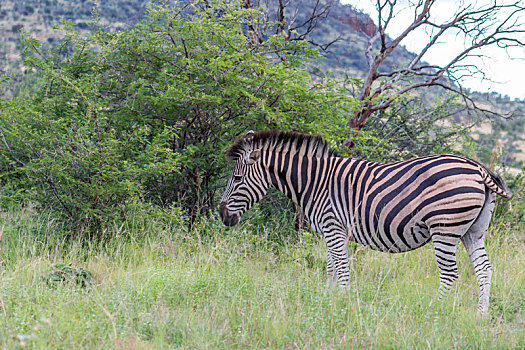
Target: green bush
pixel 144 115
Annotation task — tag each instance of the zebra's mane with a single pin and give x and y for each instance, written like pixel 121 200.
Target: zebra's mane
pixel 281 141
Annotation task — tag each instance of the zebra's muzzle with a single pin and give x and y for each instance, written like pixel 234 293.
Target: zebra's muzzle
pixel 227 218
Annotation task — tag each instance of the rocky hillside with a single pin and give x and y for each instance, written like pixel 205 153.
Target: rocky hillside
pixel 39 16
pixel 344 23
pixel 351 30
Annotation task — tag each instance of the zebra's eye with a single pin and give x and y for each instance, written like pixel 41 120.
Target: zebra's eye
pixel 237 178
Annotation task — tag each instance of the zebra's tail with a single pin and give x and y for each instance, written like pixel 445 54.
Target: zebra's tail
pixel 495 183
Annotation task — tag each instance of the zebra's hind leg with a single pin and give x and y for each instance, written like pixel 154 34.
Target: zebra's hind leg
pixel 482 268
pixel 474 242
pixel 445 250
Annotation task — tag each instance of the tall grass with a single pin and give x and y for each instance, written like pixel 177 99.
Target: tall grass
pixel 159 286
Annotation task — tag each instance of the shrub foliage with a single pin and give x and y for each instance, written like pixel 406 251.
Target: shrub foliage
pixel 145 114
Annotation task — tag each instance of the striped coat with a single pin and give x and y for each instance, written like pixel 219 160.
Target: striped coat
pixel 391 207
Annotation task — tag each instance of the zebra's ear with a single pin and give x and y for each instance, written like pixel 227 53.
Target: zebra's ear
pixel 249 135
pixel 252 156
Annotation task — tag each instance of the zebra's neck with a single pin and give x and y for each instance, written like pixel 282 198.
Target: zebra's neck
pixel 300 177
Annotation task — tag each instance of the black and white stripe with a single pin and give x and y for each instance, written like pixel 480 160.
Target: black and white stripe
pixel 392 207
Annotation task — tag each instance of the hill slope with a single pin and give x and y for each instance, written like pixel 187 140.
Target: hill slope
pixel 38 17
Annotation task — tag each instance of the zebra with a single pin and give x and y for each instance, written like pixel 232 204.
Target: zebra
pixel 390 207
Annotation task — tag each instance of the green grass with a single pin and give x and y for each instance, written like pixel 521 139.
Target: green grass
pixel 161 287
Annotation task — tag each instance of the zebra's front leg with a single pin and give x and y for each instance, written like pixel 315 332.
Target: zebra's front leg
pixel 330 270
pixel 338 257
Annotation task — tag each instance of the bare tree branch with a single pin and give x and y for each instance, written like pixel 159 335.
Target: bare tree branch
pixel 493 25
pixel 294 29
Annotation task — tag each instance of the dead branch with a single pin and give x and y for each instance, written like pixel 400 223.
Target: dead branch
pixel 293 28
pixel 492 25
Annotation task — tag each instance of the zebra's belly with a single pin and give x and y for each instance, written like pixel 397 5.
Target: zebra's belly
pixel 413 237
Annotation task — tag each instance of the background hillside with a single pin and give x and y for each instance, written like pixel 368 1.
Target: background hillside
pixel 38 17
pixel 345 26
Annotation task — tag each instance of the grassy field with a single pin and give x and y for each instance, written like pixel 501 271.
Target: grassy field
pixel 161 287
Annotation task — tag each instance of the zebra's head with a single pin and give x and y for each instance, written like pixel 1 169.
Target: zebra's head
pixel 247 184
